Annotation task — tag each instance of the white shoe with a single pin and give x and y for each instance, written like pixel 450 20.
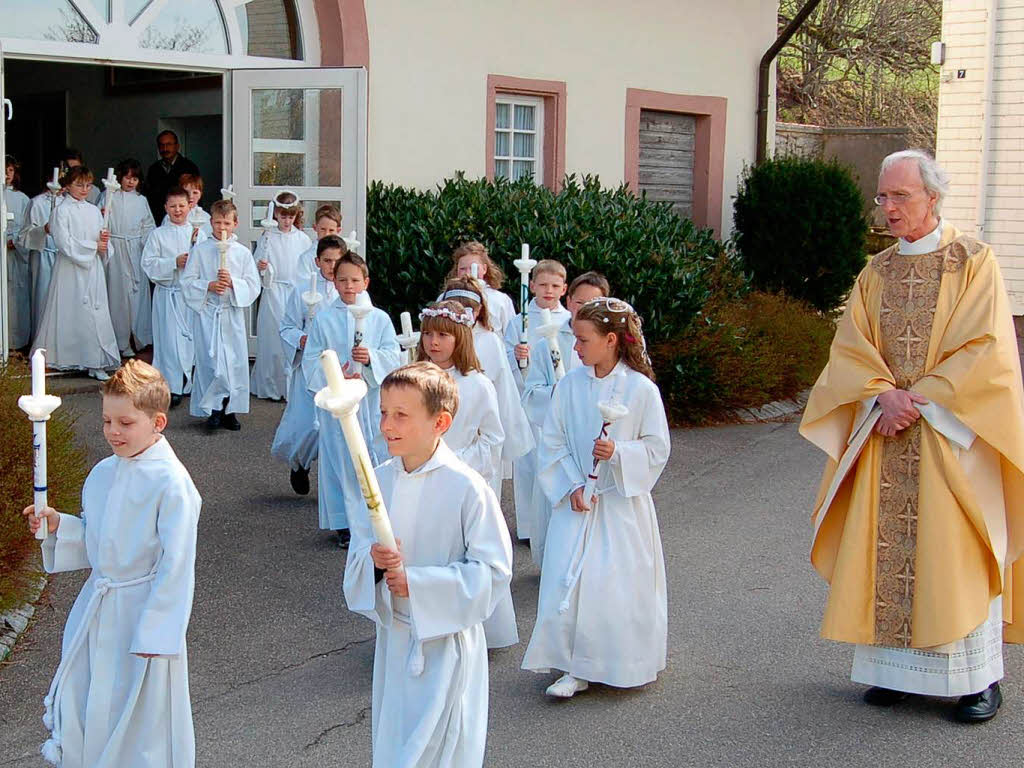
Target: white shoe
pixel 99 374
pixel 128 354
pixel 566 687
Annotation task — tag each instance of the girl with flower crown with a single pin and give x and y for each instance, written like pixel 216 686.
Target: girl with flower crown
pixel 602 611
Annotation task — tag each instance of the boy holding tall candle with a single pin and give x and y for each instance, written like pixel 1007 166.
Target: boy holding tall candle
pixel 339 494
pixel 430 598
pixel 120 694
pixel 218 288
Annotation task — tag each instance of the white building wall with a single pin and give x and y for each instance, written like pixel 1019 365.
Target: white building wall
pixel 958 146
pixel 429 62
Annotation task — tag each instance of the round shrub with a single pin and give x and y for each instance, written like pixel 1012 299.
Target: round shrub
pixel 800 229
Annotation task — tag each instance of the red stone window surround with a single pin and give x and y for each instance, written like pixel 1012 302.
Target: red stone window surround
pixel 553 94
pixel 709 147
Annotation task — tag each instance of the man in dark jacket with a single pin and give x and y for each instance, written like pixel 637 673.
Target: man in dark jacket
pixel 165 172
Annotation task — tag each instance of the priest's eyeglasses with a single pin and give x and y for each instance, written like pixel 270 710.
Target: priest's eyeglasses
pixel 896 198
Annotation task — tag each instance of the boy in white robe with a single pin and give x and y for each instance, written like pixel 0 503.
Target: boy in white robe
pixel 199 219
pixel 42 251
pixel 295 441
pixel 547 284
pixel 540 383
pixel 277 257
pixel 602 611
pixel 430 598
pixel 128 292
pixel 164 257
pixel 19 275
pixel 377 354
pixel 120 695
pixel 75 328
pixel 218 295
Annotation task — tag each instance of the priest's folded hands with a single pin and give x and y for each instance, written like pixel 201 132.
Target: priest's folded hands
pixel 898 411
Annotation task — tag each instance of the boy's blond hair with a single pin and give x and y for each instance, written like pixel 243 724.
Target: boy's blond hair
pixel 223 208
pixel 438 388
pixel 142 384
pixel 549 267
pixel 328 211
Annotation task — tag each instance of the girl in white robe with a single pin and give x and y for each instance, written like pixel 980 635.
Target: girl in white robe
pixel 339 494
pixel 277 258
pixel 19 275
pixel 295 441
pixel 602 610
pixel 42 251
pixel 173 319
pixel 221 380
pixel 128 291
pixel 473 257
pixel 75 329
pixel 540 383
pixel 490 350
pixel 475 435
pixel 120 696
pixel 430 677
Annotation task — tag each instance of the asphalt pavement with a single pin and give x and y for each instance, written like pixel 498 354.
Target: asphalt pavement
pixel 281 671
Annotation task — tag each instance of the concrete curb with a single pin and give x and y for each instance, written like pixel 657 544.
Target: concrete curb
pixel 16 620
pixel 780 409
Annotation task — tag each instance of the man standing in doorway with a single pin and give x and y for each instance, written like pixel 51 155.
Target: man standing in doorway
pixel 920 409
pixel 165 172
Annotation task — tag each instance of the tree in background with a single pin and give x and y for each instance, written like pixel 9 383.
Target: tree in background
pixel 863 63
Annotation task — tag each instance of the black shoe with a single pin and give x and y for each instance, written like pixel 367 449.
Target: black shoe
pixel 175 400
pixel 344 537
pixel 884 697
pixel 979 707
pixel 213 421
pixel 300 481
pixel 230 421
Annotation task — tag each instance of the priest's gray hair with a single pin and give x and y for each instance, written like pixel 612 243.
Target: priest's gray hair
pixel 933 176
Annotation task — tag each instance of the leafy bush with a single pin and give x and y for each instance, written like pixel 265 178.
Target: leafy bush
pixel 66 472
pixel 800 229
pixel 658 262
pixel 742 352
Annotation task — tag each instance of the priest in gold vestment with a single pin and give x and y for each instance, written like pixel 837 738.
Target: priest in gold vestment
pixel 920 410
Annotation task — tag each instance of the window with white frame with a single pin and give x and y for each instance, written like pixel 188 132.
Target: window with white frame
pixel 519 137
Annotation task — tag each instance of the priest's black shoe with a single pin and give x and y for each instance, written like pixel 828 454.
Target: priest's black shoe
pixel 300 481
pixel 230 421
pixel 979 707
pixel 175 400
pixel 214 421
pixel 884 697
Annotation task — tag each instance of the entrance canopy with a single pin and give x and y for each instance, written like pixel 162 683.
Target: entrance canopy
pixel 215 35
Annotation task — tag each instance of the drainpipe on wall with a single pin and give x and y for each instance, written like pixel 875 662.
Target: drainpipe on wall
pixel 987 105
pixel 764 71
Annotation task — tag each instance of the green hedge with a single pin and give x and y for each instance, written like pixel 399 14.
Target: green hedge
pixel 800 229
pixel 658 262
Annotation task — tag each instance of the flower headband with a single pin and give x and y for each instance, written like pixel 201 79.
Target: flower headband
pixel 456 293
pixel 462 318
pixel 281 204
pixel 614 305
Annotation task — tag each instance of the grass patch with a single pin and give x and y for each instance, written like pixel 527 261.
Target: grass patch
pixel 66 472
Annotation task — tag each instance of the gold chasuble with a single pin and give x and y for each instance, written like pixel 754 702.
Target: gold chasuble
pixel 915 533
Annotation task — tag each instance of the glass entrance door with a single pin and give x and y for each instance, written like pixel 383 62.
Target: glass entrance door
pixel 303 130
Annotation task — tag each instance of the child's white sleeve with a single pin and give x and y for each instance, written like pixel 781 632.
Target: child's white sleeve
pixel 637 464
pixel 193 287
pixel 158 266
pixel 263 253
pixel 65 549
pixel 245 287
pixel 316 343
pixel 164 618
pixel 447 599
pixel 363 594
pixel 147 224
pixel 82 252
pixel 291 326
pixel 540 382
pixel 558 471
pixel 511 339
pixel 483 452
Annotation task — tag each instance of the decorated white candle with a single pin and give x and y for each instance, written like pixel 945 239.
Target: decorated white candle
pixel 56 177
pixel 269 222
pixel 406 319
pixel 341 398
pixel 525 265
pixel 407 339
pixel 359 311
pixel 222 248
pixel 38 406
pixel 610 413
pixel 109 184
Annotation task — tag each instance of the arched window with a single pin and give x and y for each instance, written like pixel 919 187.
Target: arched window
pixel 204 33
